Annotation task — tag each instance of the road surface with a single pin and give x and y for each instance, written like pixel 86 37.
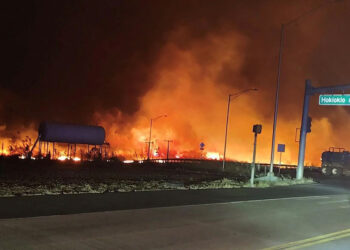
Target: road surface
pixel 307 216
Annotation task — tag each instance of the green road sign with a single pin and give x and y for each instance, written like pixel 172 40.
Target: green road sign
pixel 334 100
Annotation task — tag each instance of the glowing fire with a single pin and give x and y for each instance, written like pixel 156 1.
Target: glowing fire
pixel 155 153
pixel 213 155
pixel 4 152
pixel 191 90
pixel 128 161
pixel 76 159
pixel 62 158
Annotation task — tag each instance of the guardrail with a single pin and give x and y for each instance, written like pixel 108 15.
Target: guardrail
pixel 199 161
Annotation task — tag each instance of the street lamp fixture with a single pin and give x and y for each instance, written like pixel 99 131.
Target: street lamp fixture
pixel 150 134
pixel 231 97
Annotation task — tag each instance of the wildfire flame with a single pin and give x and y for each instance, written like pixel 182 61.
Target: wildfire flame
pixel 213 155
pixel 62 158
pixel 4 152
pixel 189 89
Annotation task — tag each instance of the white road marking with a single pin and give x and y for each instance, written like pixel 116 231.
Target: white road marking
pixel 329 202
pixel 261 200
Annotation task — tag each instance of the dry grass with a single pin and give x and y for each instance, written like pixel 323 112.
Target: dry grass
pixel 26 178
pixel 281 182
pixel 133 186
pixel 217 184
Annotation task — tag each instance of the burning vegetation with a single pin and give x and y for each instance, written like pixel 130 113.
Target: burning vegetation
pixel 183 62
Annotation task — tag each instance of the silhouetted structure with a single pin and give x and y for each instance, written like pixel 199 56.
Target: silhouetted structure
pixel 69 133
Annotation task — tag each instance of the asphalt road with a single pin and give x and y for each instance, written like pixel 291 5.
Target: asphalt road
pixel 312 216
pixel 15 207
pixel 258 224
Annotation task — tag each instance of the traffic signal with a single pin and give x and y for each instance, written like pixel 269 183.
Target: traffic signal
pixel 257 128
pixel 308 125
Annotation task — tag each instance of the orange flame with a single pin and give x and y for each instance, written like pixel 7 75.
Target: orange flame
pixel 213 156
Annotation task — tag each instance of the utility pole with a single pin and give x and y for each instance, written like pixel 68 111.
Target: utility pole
pixel 149 141
pixel 168 148
pixel 150 135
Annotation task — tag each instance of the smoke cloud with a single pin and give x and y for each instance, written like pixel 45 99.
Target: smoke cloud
pixel 120 63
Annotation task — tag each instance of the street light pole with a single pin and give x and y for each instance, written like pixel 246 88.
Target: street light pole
pixel 227 116
pixel 295 20
pixel 276 101
pixel 150 135
pixel 227 119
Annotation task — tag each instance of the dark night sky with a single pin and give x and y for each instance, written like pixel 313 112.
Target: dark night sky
pixel 65 60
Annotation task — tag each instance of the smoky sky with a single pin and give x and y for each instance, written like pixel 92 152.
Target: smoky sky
pixel 65 60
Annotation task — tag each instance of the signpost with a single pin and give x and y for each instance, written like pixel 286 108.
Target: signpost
pixel 281 148
pixel 334 100
pixel 201 148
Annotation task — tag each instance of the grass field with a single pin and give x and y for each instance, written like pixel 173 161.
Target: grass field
pixel 39 177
